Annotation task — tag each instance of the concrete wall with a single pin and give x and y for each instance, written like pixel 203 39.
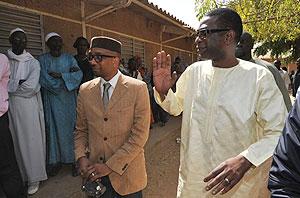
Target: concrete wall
pixel 122 21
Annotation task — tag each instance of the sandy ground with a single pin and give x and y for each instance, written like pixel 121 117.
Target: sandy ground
pixel 162 161
pixel 162 167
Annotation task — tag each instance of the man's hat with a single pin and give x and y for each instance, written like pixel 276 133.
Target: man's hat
pixel 16 30
pixel 50 35
pixel 107 46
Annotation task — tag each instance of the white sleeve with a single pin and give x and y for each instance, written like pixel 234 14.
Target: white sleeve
pixel 173 102
pixel 270 115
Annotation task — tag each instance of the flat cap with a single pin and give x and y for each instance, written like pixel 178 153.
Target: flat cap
pixel 106 45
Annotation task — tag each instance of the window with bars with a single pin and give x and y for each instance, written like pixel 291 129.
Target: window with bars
pixel 132 48
pixel 31 23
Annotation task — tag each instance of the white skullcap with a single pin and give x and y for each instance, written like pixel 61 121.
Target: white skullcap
pixel 51 34
pixel 16 30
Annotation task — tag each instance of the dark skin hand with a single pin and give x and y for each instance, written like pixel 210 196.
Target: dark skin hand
pixel 96 171
pixel 21 81
pixel 58 75
pixel 232 170
pixel 55 74
pixel 83 163
pixel 162 77
pixel 74 69
pixel 91 171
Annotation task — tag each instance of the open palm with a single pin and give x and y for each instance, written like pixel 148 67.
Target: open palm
pixel 163 80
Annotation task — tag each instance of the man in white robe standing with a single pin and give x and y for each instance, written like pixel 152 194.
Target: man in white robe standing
pixel 26 112
pixel 233 113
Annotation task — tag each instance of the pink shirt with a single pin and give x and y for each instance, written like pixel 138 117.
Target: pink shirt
pixel 4 76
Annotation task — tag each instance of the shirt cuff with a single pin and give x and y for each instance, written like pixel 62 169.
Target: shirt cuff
pixel 256 161
pixel 169 104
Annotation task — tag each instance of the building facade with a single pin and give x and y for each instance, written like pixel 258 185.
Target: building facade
pixel 142 27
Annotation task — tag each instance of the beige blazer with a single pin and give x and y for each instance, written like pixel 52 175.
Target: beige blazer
pixel 115 136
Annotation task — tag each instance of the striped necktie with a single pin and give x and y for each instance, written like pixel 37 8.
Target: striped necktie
pixel 105 98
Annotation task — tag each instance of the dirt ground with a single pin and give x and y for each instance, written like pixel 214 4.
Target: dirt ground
pixel 162 161
pixel 162 167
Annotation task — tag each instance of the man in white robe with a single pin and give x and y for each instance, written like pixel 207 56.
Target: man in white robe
pixel 233 113
pixel 26 112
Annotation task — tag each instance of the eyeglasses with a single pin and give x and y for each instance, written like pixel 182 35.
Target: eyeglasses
pixel 98 57
pixel 202 33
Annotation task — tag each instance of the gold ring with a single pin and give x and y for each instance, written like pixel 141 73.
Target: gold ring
pixel 227 181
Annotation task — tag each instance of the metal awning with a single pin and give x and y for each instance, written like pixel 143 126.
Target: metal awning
pixel 169 23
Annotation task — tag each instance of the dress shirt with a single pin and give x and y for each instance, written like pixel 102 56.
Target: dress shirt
pixel 113 82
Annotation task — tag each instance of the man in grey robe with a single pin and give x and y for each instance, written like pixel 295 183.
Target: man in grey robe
pixel 26 111
pixel 243 51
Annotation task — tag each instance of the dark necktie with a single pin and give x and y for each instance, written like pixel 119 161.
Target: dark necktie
pixel 106 87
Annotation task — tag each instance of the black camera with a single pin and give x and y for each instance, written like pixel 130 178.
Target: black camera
pixel 94 189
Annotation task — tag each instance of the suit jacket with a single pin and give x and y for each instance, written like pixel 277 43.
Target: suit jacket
pixel 115 136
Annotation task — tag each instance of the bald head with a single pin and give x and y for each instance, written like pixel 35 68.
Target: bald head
pixel 244 47
pixel 248 39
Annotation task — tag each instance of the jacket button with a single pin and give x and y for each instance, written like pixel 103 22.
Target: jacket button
pixel 105 119
pixel 105 138
pixel 124 167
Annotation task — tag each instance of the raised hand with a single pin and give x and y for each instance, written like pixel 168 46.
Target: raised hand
pixel 162 77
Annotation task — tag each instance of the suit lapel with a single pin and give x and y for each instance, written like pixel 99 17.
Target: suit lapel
pixel 96 95
pixel 119 92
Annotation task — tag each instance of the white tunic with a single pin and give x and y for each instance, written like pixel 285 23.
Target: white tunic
pixel 26 116
pixel 226 111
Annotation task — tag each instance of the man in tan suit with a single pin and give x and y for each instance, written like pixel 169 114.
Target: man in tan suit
pixel 113 120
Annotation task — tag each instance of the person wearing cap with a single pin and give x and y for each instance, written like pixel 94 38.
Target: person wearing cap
pixel 26 113
pixel 11 183
pixel 60 79
pixel 82 45
pixel 113 120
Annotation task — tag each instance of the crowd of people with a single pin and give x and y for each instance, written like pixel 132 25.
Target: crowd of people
pixel 93 112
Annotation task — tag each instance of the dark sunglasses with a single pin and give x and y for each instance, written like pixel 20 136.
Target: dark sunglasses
pixel 202 33
pixel 97 57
